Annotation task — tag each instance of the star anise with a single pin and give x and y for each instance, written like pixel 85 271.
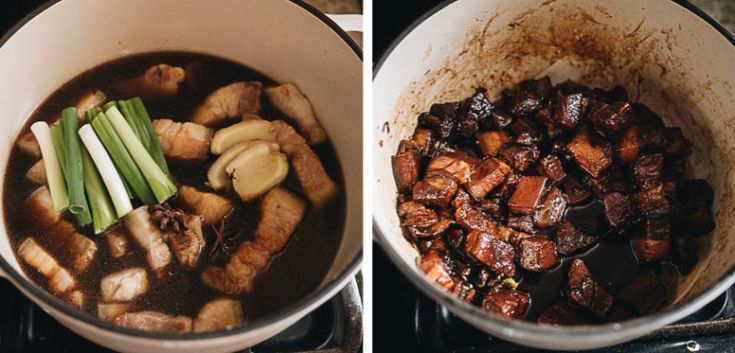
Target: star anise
pixel 224 239
pixel 168 218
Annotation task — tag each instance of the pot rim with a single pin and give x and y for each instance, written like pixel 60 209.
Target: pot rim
pixel 258 323
pixel 522 328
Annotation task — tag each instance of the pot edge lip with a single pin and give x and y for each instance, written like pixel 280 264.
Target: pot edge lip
pixel 616 330
pixel 42 295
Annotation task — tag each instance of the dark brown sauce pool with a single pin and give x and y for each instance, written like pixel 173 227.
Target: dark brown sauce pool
pixel 291 275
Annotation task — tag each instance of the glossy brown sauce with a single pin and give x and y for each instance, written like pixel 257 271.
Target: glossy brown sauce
pixel 290 276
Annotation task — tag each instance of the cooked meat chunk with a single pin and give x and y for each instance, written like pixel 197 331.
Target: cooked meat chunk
pixel 552 209
pixel 550 166
pixel 117 241
pixel 37 173
pixel 591 152
pixel 60 280
pixel 421 221
pixel 492 252
pixel 219 314
pixel 648 171
pixel 658 228
pixel 537 254
pixel 91 99
pixel 519 157
pixel 487 176
pixel 608 182
pixel 316 183
pixel 562 314
pixel 184 141
pixel 526 132
pixel 27 144
pixel 638 139
pixel 695 198
pixel 189 243
pixel 653 201
pixel 475 109
pixel 149 237
pixel 459 165
pixel 645 292
pixel 433 265
pixel 568 110
pixel 210 206
pixel 441 119
pixel 529 194
pixel 406 169
pixel 436 189
pixel 584 291
pixel 650 249
pixel 610 118
pixel 281 212
pixel 618 209
pixel 288 99
pixel 40 204
pixel 158 81
pixel 424 141
pixel 229 101
pixel 575 191
pixel 570 240
pixel 523 223
pixel 125 285
pixel 676 145
pixel 529 95
pixel 490 142
pixel 154 321
pixel 468 216
pixel 109 311
pixel 507 302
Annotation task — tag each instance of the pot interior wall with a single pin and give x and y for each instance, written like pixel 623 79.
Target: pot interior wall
pixel 65 40
pixel 664 55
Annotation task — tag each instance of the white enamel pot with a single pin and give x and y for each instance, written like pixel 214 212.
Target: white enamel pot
pixel 286 40
pixel 668 54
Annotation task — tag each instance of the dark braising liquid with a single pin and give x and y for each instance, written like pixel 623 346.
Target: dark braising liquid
pixel 290 276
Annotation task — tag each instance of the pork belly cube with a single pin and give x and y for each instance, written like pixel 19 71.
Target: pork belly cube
pixel 618 209
pixel 676 145
pixel 582 290
pixel 459 165
pixel 474 110
pixel 608 182
pixel 498 120
pixel 552 209
pixel 526 132
pixel 651 250
pixel 496 254
pixel 684 254
pixel 658 228
pixel 653 201
pixel 423 140
pixel 493 207
pixel 591 152
pixel 648 171
pixel 570 239
pixel 434 267
pixel 523 223
pixel 406 169
pixel 436 189
pixel 529 194
pixel 441 119
pixel 464 292
pixel 529 95
pixel 421 221
pixel 490 142
pixel 638 139
pixel 468 216
pixel 519 157
pixel 507 302
pixel 561 314
pixel 611 118
pixel 645 292
pixel 695 198
pixel 550 166
pixel 568 110
pixel 575 192
pixel 537 254
pixel 486 177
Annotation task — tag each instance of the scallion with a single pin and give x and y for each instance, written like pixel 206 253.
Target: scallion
pixel 57 187
pixel 103 212
pixel 74 170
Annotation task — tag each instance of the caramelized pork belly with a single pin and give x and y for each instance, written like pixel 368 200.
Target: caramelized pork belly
pixel 288 99
pixel 183 141
pixel 582 290
pixel 507 302
pixel 229 101
pixel 316 183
